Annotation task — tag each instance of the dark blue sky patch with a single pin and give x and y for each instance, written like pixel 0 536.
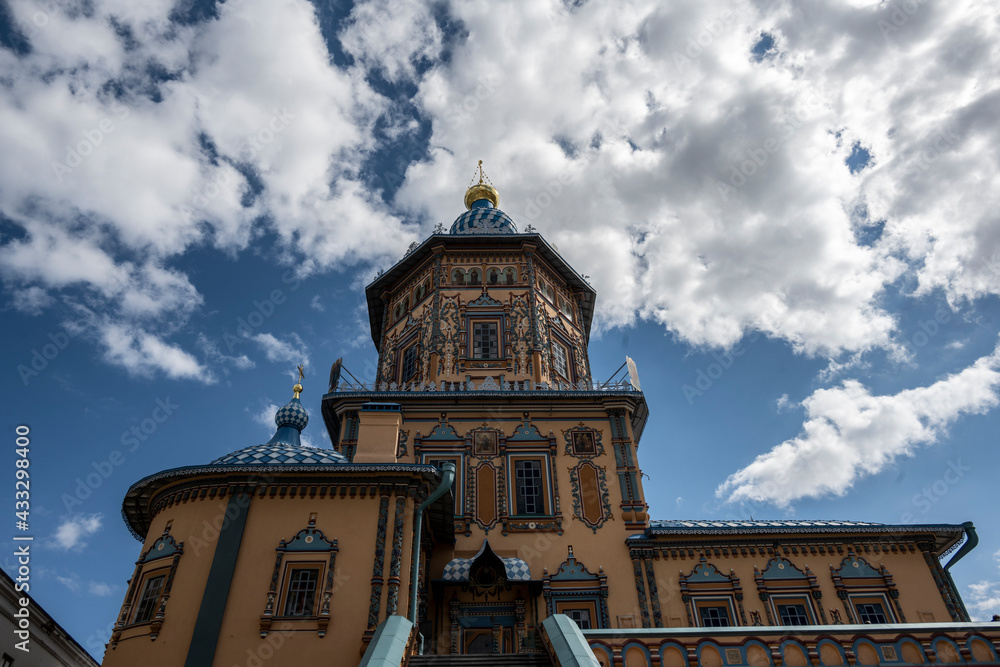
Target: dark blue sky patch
pixel 859 158
pixel 569 149
pixel 869 235
pixel 331 15
pixel 764 48
pixel 124 33
pixel 14 36
pixel 189 12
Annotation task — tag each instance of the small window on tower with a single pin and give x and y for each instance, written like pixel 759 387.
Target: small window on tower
pixel 559 360
pixel 485 343
pixel 409 363
pixel 152 589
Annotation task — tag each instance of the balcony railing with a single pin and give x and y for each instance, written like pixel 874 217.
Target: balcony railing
pixel 487 384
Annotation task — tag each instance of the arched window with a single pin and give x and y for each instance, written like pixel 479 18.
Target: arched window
pixel 509 276
pixel 474 277
pixel 494 277
pixel 458 277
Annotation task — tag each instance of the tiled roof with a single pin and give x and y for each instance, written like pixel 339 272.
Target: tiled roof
pixel 271 453
pixel 483 220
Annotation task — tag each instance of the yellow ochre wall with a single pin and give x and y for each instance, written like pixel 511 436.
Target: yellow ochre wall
pixel 351 521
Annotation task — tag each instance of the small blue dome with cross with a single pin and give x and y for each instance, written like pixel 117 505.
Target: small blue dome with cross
pixel 293 415
pixel 284 447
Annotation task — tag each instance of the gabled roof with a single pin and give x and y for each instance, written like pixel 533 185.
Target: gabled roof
pixel 424 251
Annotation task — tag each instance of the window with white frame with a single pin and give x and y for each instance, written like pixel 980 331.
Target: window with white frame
pixel 149 600
pixel 529 485
pixel 559 360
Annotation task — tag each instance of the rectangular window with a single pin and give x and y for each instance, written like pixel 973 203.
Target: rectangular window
pixel 409 363
pixel 871 612
pixel 485 343
pixel 559 360
pixel 530 487
pixel 793 614
pixel 714 617
pixel 580 616
pixel 150 599
pixel 301 596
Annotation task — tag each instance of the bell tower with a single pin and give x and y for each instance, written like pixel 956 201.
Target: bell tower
pixel 482 301
pixel 482 334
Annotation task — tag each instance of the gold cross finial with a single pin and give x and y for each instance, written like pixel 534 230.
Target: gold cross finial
pixel 297 389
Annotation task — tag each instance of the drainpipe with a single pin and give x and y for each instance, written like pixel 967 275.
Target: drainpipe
pixel 447 478
pixel 970 544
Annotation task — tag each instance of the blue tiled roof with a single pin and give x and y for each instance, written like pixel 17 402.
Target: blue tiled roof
pixel 457 569
pixel 271 453
pixel 482 218
pixel 744 523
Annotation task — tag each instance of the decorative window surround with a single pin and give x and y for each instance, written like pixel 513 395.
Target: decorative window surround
pixel 162 557
pixel 309 548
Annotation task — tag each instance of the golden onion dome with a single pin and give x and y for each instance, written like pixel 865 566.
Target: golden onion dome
pixel 482 190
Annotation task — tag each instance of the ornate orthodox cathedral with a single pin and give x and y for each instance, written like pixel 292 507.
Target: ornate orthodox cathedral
pixel 483 504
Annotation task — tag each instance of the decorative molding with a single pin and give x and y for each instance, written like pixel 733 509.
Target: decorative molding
pixel 577 489
pixel 596 445
pixel 309 539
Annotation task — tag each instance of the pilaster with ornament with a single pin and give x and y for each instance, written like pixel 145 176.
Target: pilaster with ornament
pixel 640 586
pixel 397 553
pixel 378 562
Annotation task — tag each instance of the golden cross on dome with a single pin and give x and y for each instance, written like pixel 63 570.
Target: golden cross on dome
pixel 297 389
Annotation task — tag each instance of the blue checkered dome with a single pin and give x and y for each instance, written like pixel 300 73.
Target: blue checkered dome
pixel 282 454
pixel 284 447
pixel 293 415
pixel 483 218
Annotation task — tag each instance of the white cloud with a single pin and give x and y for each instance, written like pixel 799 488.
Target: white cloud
pixel 73 532
pixel 983 600
pixel 292 351
pixel 849 433
pixel 100 589
pixel 619 157
pixel 32 300
pixel 265 415
pixel 94 181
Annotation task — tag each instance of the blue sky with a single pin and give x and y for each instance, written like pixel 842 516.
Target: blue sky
pixel 789 215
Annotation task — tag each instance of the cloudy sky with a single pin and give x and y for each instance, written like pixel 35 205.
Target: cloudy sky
pixel 789 211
